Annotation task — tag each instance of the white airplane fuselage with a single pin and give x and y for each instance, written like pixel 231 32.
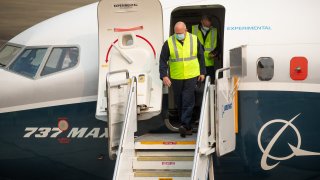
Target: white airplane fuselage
pixel 48 123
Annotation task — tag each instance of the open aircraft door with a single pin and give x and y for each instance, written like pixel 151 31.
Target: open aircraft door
pixel 226 116
pixel 130 41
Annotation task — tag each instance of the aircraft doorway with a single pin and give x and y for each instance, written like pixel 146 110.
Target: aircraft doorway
pixel 191 15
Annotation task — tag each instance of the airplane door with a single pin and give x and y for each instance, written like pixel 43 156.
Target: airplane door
pixel 226 116
pixel 130 41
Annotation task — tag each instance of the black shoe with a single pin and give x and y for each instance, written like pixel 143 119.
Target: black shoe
pixel 188 131
pixel 182 131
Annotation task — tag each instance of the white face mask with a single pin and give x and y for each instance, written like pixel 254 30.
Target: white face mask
pixel 180 36
pixel 205 28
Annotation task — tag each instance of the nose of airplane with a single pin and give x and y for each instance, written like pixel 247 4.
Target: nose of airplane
pixel 15 90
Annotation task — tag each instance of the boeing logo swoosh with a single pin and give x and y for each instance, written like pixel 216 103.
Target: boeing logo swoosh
pixel 296 151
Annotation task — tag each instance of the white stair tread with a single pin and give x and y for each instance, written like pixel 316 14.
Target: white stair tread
pixel 161 178
pixel 165 158
pixel 164 153
pixel 166 137
pixel 163 165
pixel 163 173
pixel 165 141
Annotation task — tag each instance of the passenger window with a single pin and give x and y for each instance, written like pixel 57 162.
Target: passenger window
pixel 265 68
pixel 127 40
pixel 60 59
pixel 7 53
pixel 28 62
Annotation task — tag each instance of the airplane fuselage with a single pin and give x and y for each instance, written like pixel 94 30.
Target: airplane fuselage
pixel 48 125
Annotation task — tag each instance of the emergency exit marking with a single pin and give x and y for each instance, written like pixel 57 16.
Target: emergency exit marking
pixel 298 68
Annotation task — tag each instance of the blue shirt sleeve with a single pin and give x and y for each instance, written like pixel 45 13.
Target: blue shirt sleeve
pixel 164 57
pixel 200 56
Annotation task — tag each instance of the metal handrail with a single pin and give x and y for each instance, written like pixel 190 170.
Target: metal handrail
pixel 111 156
pixel 219 71
pixel 202 124
pixel 133 88
pixel 115 72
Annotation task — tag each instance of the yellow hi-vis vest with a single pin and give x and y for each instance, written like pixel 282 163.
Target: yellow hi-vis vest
pixel 183 61
pixel 209 44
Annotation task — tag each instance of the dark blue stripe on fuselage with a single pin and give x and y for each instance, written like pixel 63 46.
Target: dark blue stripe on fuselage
pixel 259 107
pixel 47 158
pixel 54 158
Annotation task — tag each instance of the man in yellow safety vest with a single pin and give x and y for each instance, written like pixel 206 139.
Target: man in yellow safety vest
pixel 183 55
pixel 208 37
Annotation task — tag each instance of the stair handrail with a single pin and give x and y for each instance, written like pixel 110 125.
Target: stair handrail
pixel 108 86
pixel 125 136
pixel 200 151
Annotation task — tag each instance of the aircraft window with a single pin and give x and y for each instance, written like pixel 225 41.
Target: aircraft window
pixel 127 40
pixel 28 62
pixel 7 53
pixel 60 59
pixel 265 68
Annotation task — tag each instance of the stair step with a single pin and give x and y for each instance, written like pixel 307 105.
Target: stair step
pixel 161 178
pixel 142 153
pixel 164 158
pixel 163 173
pixel 163 162
pixel 165 141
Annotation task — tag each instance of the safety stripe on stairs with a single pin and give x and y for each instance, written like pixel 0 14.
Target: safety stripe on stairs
pixel 168 142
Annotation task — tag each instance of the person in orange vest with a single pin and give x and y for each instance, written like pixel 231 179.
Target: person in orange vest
pixel 183 55
pixel 208 37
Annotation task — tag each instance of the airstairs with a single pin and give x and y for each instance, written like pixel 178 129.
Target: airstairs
pixel 130 90
pixel 158 156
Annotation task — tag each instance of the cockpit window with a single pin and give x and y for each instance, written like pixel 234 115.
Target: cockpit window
pixel 7 53
pixel 28 62
pixel 61 58
pixel 265 68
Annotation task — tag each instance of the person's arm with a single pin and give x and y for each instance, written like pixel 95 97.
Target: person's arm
pixel 216 50
pixel 164 57
pixel 200 56
pixel 163 65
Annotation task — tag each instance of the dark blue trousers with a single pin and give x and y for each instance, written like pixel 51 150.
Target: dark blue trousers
pixel 211 71
pixel 184 98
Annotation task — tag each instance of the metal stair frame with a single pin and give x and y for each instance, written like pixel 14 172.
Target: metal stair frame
pixel 202 165
pixel 126 148
pixel 109 85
